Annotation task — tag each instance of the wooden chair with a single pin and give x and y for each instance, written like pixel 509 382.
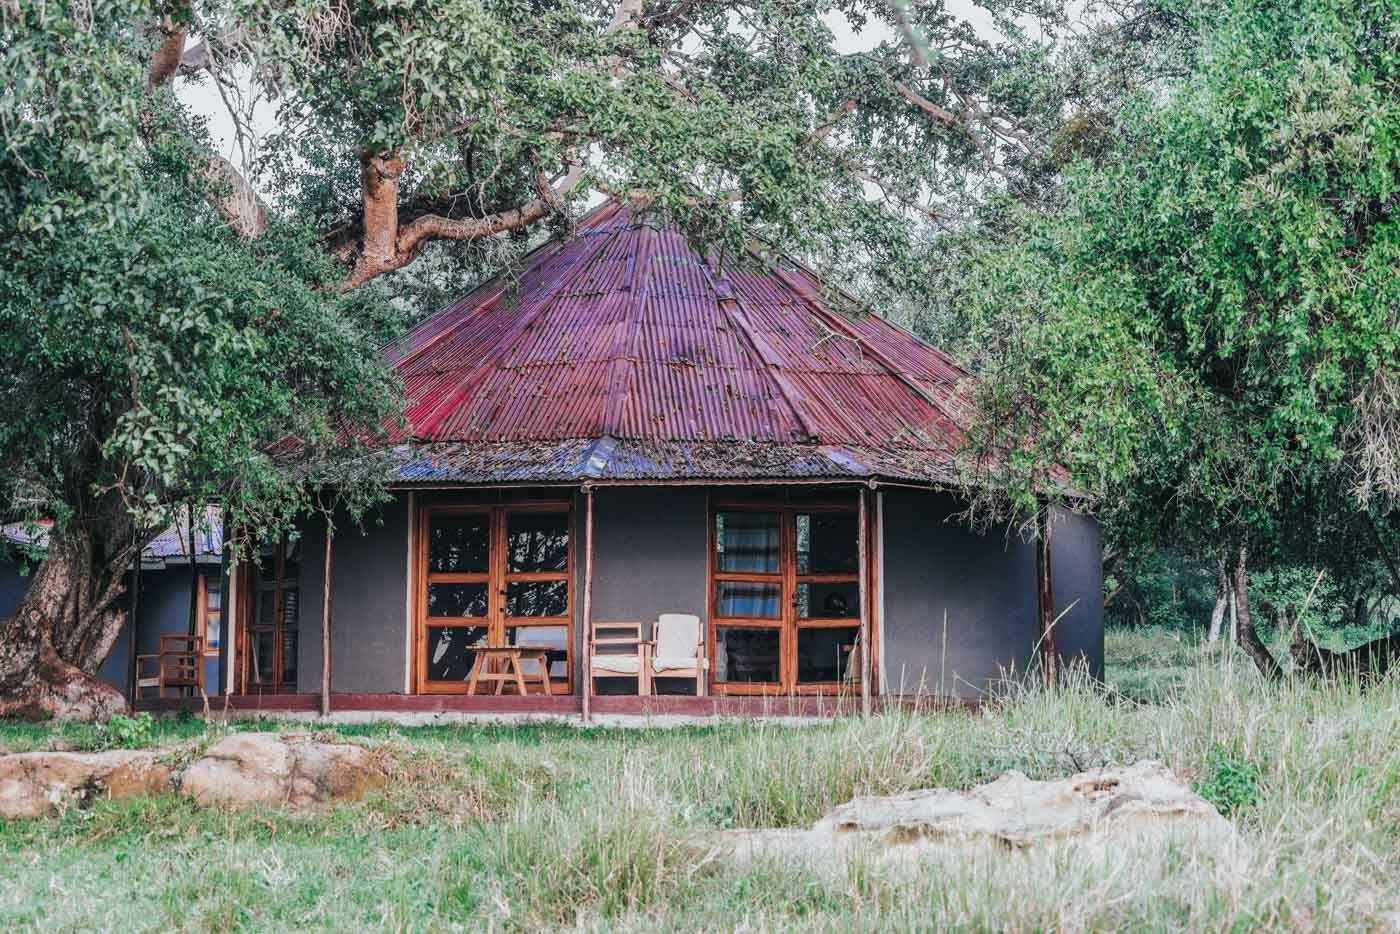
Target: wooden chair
pixel 677 650
pixel 617 650
pixel 178 666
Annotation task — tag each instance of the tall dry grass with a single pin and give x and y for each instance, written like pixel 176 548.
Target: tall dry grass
pixel 548 827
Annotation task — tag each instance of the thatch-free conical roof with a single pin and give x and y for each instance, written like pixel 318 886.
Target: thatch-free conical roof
pixel 623 354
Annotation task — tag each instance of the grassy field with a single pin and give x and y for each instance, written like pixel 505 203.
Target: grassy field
pixel 539 827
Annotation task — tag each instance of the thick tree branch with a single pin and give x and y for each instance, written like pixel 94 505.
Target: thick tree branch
pixel 385 246
pixel 166 60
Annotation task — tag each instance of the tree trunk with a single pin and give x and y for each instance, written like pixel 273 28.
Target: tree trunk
pixel 59 636
pixel 1249 639
pixel 1222 602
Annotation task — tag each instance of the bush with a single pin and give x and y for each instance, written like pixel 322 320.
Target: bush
pixel 1231 782
pixel 126 732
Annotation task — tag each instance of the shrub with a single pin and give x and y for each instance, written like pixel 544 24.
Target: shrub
pixel 126 732
pixel 1231 782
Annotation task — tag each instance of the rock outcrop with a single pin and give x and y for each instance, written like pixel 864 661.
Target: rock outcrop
pixel 265 768
pixel 1012 812
pixel 33 784
pixel 240 770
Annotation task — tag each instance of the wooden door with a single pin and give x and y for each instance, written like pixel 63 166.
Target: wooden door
pixel 267 644
pixel 784 598
pixel 496 576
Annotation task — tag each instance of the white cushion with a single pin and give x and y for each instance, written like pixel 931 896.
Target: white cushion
pixel 677 634
pixel 622 664
pixel 664 663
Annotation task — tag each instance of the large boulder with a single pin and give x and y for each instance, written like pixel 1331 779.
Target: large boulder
pixel 265 768
pixel 1012 812
pixel 33 784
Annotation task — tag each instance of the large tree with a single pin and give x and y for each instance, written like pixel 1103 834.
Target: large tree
pixel 168 315
pixel 1202 326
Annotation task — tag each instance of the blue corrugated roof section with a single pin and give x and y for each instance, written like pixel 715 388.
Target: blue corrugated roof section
pixel 170 545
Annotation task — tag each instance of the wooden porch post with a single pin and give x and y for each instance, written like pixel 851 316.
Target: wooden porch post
pixel 587 602
pixel 863 551
pixel 326 625
pixel 133 641
pixel 1045 600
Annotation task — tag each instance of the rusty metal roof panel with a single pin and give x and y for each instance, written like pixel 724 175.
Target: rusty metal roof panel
pixel 625 332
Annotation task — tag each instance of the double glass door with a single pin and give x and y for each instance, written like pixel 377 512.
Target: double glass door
pixel 493 576
pixel 784 599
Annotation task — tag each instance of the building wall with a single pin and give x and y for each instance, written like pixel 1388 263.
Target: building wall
pixel 163 608
pixel 1076 570
pixel 649 553
pixel 650 557
pixel 369 615
pixel 938 573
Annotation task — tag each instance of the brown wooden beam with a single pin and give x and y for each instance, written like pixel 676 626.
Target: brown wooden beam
pixel 588 604
pixel 326 624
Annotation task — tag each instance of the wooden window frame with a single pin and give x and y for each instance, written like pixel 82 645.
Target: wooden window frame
pixel 498 579
pixel 204 613
pixel 788 623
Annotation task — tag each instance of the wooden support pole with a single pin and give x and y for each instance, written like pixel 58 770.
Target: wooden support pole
pixel 326 625
pixel 1045 601
pixel 588 604
pixel 863 539
pixel 132 641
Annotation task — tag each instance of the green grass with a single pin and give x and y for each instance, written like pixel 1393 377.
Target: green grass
pixel 542 827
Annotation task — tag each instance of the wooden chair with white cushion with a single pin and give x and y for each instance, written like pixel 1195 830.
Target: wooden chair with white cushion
pixel 617 650
pixel 678 649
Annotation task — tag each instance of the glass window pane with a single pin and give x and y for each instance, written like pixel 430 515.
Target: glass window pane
pixel 537 541
pixel 213 631
pixel 450 657
pixel 827 543
pixel 537 598
pixel 267 607
pixel 459 542
pixel 748 541
pixel 289 656
pixel 553 638
pixel 825 655
pixel 291 607
pixel 456 599
pixel 741 599
pixel 749 655
pixel 264 646
pixel 213 593
pixel 829 601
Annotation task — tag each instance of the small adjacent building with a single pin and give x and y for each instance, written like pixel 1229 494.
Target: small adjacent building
pixel 178 571
pixel 623 428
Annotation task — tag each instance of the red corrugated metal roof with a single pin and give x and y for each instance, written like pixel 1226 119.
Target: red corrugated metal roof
pixel 625 332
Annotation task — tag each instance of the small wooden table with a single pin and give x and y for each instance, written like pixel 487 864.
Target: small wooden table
pixel 484 669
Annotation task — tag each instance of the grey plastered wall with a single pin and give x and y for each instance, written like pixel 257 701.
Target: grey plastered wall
pixel 1076 572
pixel 369 611
pixel 649 552
pixel 936 568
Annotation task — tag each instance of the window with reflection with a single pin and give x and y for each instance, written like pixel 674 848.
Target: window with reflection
pixel 459 543
pixel 537 542
pixel 798 567
pixel 496 576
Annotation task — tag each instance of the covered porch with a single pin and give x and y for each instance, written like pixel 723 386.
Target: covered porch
pixel 812 599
